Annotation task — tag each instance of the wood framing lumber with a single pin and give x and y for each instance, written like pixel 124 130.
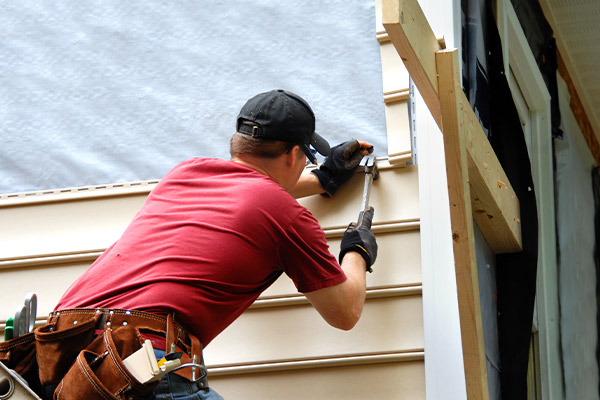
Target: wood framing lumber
pixel 416 44
pixel 495 204
pixel 463 239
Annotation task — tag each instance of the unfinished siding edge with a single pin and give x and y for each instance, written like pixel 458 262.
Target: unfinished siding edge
pixel 82 193
pixel 343 361
pixel 415 289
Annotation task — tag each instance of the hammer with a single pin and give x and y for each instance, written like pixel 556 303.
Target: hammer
pixel 371 173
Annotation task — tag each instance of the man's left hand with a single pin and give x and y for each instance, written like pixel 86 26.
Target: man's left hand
pixel 339 167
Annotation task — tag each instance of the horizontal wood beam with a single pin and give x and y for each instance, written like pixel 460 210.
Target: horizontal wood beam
pixel 495 205
pixel 494 202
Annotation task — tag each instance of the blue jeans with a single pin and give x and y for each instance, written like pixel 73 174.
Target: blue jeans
pixel 173 386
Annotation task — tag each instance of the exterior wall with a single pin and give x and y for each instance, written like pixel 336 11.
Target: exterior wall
pixel 280 347
pixel 281 343
pixel 486 271
pixel 576 270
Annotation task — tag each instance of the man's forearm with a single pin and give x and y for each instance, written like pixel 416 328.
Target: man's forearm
pixel 307 185
pixel 341 305
pixel 354 267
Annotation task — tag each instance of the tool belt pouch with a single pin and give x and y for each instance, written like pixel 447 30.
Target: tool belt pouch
pixel 59 342
pixel 99 372
pixel 18 354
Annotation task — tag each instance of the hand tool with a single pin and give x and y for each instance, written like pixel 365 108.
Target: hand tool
pixel 8 329
pixel 13 386
pixel 369 162
pixel 25 316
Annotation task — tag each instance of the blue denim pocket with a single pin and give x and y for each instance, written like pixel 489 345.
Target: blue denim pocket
pixel 173 386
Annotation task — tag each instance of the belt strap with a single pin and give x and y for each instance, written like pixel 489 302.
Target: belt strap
pixel 111 318
pixel 192 358
pixel 170 335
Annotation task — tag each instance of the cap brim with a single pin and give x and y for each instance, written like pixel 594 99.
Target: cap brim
pixel 309 154
pixel 320 144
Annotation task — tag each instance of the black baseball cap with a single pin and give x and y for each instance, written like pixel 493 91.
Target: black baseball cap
pixel 284 116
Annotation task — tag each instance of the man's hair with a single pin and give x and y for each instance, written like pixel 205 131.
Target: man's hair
pixel 241 144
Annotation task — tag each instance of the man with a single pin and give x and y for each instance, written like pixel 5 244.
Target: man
pixel 214 234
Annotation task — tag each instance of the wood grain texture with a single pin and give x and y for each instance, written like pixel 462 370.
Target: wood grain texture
pixel 462 226
pixel 495 205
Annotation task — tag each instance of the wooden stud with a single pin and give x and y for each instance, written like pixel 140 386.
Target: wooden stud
pixel 457 169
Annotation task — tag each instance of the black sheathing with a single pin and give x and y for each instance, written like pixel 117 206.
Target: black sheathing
pixel 515 272
pixel 489 93
pixel 596 188
pixel 540 37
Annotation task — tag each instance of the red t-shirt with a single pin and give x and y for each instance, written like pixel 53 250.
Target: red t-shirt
pixel 211 236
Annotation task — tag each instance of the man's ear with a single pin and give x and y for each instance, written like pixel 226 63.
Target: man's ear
pixel 292 156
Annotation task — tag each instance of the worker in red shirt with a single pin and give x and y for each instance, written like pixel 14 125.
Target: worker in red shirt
pixel 214 234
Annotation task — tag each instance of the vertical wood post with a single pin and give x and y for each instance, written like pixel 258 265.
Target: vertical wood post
pixel 453 106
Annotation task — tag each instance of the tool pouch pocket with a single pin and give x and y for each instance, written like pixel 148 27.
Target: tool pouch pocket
pixel 18 354
pixel 99 372
pixel 58 346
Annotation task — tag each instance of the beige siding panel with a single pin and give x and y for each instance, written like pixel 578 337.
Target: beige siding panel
pixel 298 332
pixel 394 196
pixel 395 76
pixel 398 260
pixel 92 224
pixel 48 282
pixel 398 264
pixel 396 115
pixel 51 243
pixel 65 227
pixel 395 85
pixel 40 238
pixel 381 381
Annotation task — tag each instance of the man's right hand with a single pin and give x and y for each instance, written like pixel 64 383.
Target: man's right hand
pixel 361 240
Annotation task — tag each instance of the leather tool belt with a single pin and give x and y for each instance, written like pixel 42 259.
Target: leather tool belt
pixel 79 352
pixel 18 354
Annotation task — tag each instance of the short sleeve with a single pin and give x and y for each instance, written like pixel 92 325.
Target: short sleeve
pixel 305 256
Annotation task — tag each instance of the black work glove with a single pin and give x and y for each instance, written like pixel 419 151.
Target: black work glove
pixel 339 167
pixel 361 240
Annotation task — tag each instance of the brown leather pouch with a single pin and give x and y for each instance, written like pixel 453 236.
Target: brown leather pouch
pixel 18 354
pixel 99 372
pixel 57 346
pixel 192 354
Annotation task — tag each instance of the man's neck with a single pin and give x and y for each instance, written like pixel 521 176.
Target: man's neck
pixel 265 167
pixel 282 169
pixel 252 165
